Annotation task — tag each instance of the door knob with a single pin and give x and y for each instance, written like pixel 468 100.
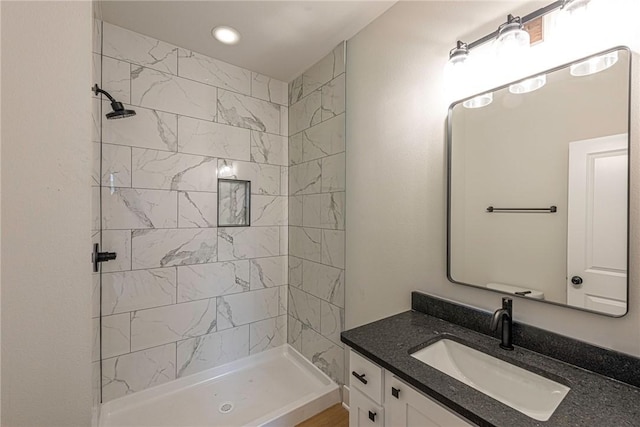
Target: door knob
pixel 576 281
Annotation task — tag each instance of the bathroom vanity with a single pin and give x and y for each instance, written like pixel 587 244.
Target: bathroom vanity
pixel 390 387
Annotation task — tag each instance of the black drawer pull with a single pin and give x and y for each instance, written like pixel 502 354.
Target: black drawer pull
pixel 395 392
pixel 372 416
pixel 360 377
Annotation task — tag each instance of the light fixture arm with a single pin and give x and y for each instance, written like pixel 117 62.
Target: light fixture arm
pixel 96 90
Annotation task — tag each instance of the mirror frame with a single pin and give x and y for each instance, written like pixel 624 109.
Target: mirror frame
pixel 629 149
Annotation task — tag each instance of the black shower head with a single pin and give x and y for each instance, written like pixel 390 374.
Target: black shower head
pixel 119 112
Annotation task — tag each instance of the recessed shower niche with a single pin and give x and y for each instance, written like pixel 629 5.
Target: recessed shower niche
pixel 234 203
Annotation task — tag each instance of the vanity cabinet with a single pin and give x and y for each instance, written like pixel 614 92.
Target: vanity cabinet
pixel 378 398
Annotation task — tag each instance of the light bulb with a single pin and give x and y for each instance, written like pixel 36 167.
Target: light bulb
pixel 479 101
pixel 512 40
pixel 457 69
pixel 594 65
pixel 528 85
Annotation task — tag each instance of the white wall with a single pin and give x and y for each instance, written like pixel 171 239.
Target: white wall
pixel 46 165
pixel 396 205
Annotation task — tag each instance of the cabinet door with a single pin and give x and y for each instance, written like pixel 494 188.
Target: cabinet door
pixel 363 412
pixel 406 407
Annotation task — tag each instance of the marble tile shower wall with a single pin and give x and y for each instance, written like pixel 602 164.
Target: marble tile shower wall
pixel 184 295
pixel 316 213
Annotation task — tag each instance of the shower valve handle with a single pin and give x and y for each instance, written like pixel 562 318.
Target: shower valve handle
pixel 97 257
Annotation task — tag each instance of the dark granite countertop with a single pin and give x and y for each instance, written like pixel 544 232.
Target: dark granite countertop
pixel 594 400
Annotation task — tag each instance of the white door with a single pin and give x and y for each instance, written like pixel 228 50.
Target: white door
pixel 363 412
pixel 597 226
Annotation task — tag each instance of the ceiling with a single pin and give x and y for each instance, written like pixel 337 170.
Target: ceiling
pixel 280 39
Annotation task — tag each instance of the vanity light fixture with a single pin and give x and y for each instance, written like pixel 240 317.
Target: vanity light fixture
pixel 479 101
pixel 226 35
pixel 528 85
pixel 458 56
pixel 512 37
pixel 575 6
pixel 595 64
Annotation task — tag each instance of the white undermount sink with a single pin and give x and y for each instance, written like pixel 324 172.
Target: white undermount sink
pixel 529 393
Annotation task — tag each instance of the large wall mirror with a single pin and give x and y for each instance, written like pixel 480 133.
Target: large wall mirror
pixel 538 186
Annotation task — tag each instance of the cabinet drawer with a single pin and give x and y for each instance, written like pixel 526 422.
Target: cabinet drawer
pixel 366 376
pixel 363 412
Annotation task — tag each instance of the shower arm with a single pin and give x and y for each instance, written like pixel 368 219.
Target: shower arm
pixel 96 90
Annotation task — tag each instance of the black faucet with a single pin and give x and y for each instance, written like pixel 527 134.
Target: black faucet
pixel 506 314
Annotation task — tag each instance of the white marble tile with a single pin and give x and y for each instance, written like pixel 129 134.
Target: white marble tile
pixel 118 241
pixel 195 66
pixel 95 295
pixel 295 149
pixel 284 120
pixel 95 208
pixel 265 179
pixel 284 240
pixel 283 300
pixel 156 326
pixel 269 148
pixel 136 290
pixel 268 272
pixel 304 307
pixel 305 178
pixel 311 210
pixel 333 98
pixel 332 211
pixel 213 139
pixel 247 242
pixel 331 322
pixel 142 50
pixel 269 210
pixel 197 209
pixel 97 36
pixel 95 339
pixel 284 181
pixel 324 282
pixel 268 89
pixel 295 271
pixel 305 113
pixel 247 307
pixel 246 112
pixel 326 355
pixel 137 371
pixel 116 79
pixel 96 120
pixel 294 333
pixel 116 165
pixel 324 70
pixel 333 173
pixel 161 91
pixel 305 243
pixel 266 334
pixel 116 335
pixel 127 208
pixel 209 351
pixel 201 281
pixel 295 210
pixel 164 248
pixel 173 171
pixel 333 248
pixel 325 139
pixel 295 90
pixel 147 129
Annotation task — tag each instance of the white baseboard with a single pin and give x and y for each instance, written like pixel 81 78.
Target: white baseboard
pixel 345 397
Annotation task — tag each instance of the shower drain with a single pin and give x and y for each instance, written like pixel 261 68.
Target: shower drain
pixel 226 407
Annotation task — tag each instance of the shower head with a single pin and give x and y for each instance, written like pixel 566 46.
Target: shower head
pixel 119 112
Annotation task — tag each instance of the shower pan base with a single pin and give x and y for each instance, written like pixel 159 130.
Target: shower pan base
pixel 274 388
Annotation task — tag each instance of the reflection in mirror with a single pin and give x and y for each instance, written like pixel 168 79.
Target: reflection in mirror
pixel 538 186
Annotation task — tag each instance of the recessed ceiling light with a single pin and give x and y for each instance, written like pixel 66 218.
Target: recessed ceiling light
pixel 226 35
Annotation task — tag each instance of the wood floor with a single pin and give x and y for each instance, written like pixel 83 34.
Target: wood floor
pixel 336 416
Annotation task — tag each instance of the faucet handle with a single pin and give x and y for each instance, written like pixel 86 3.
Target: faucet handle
pixel 507 303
